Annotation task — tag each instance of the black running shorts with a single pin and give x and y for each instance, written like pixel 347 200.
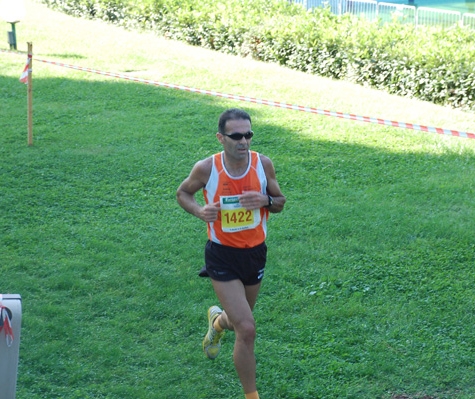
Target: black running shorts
pixel 225 263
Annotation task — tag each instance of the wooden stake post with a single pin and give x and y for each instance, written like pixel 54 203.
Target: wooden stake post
pixel 30 94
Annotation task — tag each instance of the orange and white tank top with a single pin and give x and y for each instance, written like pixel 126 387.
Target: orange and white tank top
pixel 236 226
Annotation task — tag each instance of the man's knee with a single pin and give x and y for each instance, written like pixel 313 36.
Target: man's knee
pixel 246 331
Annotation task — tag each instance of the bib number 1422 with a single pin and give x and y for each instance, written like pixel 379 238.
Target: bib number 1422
pixel 236 218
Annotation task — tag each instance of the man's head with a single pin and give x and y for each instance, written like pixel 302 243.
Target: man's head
pixel 231 115
pixel 235 134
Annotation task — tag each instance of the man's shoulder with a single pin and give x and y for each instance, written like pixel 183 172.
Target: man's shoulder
pixel 204 166
pixel 264 158
pixel 204 163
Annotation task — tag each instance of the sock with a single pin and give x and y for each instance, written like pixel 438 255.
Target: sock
pixel 252 395
pixel 216 325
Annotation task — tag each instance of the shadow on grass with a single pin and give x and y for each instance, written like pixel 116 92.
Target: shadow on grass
pixel 375 244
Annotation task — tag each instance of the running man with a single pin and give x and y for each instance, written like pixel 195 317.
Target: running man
pixel 240 190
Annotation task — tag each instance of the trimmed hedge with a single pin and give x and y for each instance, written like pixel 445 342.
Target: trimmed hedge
pixel 432 64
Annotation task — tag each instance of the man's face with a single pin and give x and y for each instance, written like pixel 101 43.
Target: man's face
pixel 236 149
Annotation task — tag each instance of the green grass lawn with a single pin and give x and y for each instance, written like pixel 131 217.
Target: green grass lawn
pixel 369 287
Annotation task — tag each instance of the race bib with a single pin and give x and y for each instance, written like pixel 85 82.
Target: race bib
pixel 236 218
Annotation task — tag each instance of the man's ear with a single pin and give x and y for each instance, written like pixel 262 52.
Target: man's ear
pixel 220 137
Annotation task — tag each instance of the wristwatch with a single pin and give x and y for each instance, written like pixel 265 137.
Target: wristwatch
pixel 271 201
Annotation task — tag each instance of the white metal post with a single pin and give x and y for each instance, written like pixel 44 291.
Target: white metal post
pixel 10 306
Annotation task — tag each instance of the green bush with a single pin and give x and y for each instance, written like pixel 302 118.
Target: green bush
pixel 433 64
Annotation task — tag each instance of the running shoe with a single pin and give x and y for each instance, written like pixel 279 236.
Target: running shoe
pixel 212 340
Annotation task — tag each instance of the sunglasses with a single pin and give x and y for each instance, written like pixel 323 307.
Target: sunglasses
pixel 239 136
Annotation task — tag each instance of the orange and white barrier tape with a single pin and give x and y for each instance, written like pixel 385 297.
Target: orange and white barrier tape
pixel 369 119
pixel 342 115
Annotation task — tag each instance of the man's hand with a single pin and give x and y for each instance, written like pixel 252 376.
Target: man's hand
pixel 253 200
pixel 209 212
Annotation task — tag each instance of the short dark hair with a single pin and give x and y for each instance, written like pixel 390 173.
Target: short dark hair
pixel 231 115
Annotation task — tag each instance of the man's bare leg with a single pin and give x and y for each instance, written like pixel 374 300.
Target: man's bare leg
pixel 238 302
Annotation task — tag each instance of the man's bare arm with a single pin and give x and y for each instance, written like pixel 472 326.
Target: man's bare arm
pixel 185 194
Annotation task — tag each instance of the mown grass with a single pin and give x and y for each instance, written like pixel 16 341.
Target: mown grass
pixel 369 288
